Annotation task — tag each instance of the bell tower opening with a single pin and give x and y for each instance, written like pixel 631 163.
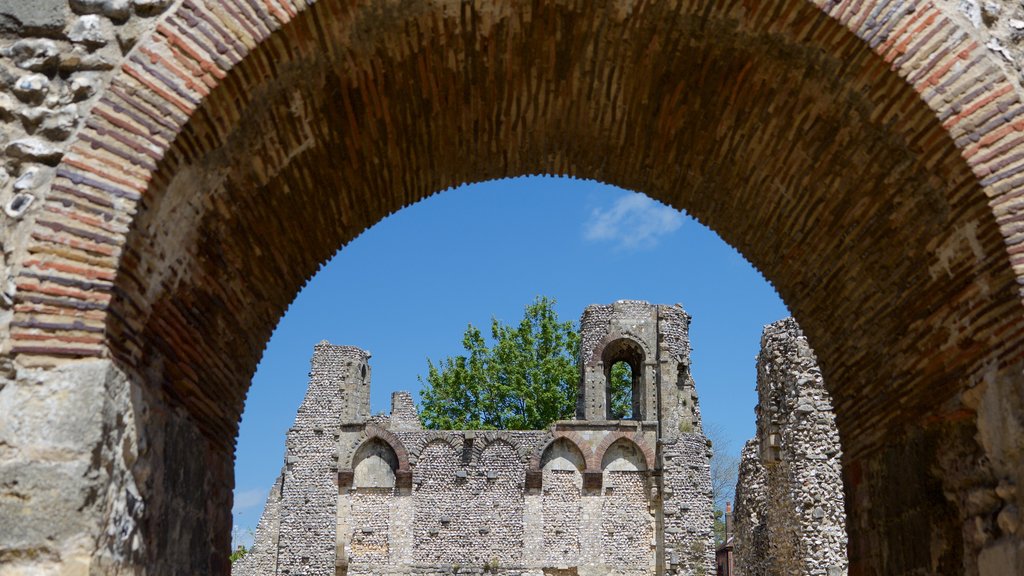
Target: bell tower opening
pixel 622 386
pixel 621 391
pixel 623 367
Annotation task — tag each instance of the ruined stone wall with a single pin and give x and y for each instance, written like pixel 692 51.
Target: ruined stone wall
pixel 753 557
pixel 469 508
pixel 629 497
pixel 262 556
pixel 688 509
pixel 338 392
pixel 790 513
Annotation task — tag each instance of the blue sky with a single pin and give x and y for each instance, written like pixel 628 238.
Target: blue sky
pixel 406 289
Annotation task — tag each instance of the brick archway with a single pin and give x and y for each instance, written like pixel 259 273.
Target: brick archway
pixel 864 156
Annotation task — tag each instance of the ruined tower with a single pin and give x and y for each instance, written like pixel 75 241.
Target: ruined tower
pixel 337 398
pixel 653 340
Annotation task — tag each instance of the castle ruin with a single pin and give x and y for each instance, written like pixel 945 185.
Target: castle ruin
pixel 789 513
pixel 363 494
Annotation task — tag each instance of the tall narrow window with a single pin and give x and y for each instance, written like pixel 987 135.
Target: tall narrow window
pixel 620 391
pixel 623 361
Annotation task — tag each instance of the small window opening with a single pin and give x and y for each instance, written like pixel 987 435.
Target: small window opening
pixel 620 391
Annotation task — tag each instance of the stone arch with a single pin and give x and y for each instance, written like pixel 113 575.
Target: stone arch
pixel 617 344
pixel 374 465
pixel 371 434
pixel 570 455
pixel 635 354
pixel 573 438
pixel 859 153
pixel 429 437
pixel 615 440
pixel 483 441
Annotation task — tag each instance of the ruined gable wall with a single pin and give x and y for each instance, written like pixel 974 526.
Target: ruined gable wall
pixel 791 518
pixel 337 393
pixel 261 559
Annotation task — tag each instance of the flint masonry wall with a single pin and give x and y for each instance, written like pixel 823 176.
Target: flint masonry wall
pixel 262 556
pixel 789 496
pixel 338 394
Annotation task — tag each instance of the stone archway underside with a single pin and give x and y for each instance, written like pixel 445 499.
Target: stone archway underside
pixel 868 174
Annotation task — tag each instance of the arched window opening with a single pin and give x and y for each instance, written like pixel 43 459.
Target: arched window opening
pixel 621 385
pixel 374 465
pixel 623 364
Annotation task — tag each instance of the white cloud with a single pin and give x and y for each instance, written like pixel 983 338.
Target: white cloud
pixel 633 222
pixel 248 499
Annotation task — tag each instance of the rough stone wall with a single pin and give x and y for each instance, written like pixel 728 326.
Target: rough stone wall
pixel 1000 25
pixel 627 525
pixel 56 59
pixel 262 556
pixel 753 556
pixel 468 495
pixel 687 509
pixel 796 464
pixel 338 392
pixel 562 509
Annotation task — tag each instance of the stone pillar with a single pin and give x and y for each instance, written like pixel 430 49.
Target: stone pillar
pixel 400 545
pixel 533 529
pixel 591 520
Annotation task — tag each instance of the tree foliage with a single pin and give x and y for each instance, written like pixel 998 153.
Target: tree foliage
pixel 622 391
pixel 524 379
pixel 238 553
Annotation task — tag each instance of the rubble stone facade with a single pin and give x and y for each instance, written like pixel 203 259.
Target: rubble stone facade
pixel 371 495
pixel 789 516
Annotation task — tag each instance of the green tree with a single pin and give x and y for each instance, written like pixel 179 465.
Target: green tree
pixel 238 554
pixel 524 380
pixel 622 391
